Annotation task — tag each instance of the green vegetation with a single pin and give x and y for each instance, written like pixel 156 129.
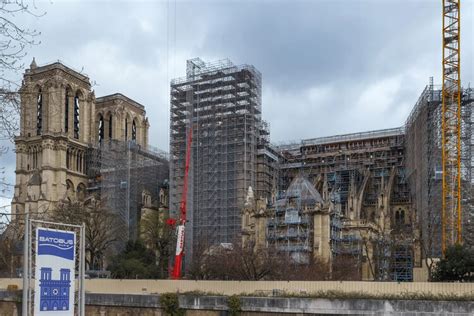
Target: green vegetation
pixel 170 304
pixel 458 266
pixel 422 296
pixel 234 305
pixel 135 262
pixel 343 295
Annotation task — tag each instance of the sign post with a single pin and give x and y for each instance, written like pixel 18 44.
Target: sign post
pixel 54 264
pixel 26 256
pixel 54 272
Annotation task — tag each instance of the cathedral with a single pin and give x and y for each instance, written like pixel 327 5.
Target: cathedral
pixel 71 143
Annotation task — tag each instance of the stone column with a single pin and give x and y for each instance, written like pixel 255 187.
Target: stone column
pixel 145 134
pixel 367 274
pixel 321 229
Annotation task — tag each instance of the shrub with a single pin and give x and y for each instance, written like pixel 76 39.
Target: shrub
pixel 457 266
pixel 170 304
pixel 234 305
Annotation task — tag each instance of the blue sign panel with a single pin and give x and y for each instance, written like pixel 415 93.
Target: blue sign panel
pixel 54 293
pixel 54 273
pixel 56 243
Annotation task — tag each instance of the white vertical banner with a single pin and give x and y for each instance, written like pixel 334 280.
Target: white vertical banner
pixel 54 272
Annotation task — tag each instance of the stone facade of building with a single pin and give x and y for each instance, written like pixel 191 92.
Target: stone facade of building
pixel 63 128
pixel 341 196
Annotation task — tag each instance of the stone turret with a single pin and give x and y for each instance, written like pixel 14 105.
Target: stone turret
pixel 254 219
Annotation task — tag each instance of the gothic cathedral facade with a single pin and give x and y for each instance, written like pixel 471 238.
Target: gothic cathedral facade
pixel 61 119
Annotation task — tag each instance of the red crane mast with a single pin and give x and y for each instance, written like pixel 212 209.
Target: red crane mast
pixel 178 261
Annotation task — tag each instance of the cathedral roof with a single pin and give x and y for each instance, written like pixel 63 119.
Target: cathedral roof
pixel 119 96
pixel 35 69
pixel 301 188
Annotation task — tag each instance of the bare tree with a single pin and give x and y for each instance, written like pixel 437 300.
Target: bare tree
pixel 346 268
pixel 253 264
pixel 197 269
pixel 427 250
pixel 312 270
pixel 237 262
pixel 11 239
pixel 159 237
pixel 9 114
pixel 10 249
pixel 234 262
pixel 101 227
pixel 14 40
pixel 241 262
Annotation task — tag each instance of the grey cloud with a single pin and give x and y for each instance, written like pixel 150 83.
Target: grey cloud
pixel 343 48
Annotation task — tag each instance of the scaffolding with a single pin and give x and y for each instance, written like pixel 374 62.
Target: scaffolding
pixel 221 102
pixel 355 172
pixel 424 166
pixel 267 167
pixel 402 262
pixel 291 228
pixel 122 174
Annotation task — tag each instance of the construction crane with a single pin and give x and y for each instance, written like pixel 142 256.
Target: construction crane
pixel 178 260
pixel 451 216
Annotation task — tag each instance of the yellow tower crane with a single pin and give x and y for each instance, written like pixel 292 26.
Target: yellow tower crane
pixel 451 216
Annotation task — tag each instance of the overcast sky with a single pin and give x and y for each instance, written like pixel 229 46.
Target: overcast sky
pixel 328 67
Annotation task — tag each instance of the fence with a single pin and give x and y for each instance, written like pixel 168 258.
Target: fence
pixel 111 286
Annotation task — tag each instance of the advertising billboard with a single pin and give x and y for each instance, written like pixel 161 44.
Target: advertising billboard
pixel 54 272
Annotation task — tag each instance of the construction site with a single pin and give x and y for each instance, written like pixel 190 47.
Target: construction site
pixel 361 195
pixel 393 200
pixel 128 179
pixel 84 148
pixel 373 196
pixel 220 104
pixel 424 166
pixel 364 208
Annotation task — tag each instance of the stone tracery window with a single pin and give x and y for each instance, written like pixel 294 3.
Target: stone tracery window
pixel 101 128
pixel 134 130
pixel 110 126
pixel 39 113
pixel 68 157
pixel 400 217
pixel 126 129
pixel 66 112
pixel 76 116
pixel 70 194
pixel 81 192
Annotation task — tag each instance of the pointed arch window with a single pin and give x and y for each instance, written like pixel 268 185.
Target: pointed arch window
pixel 35 158
pixel 110 126
pixel 66 112
pixel 101 128
pixel 400 217
pixel 134 130
pixel 76 116
pixel 39 113
pixel 68 157
pixel 126 129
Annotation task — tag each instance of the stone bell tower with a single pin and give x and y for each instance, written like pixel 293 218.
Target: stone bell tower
pixel 57 112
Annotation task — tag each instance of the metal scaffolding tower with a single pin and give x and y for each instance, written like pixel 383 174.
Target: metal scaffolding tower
pixel 121 172
pixel 222 101
pixel 424 170
pixel 451 215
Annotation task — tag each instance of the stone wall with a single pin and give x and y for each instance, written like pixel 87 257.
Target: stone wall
pixel 196 305
pixel 300 288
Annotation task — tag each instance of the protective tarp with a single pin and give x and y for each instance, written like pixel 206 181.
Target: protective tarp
pixel 301 188
pixel 292 216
